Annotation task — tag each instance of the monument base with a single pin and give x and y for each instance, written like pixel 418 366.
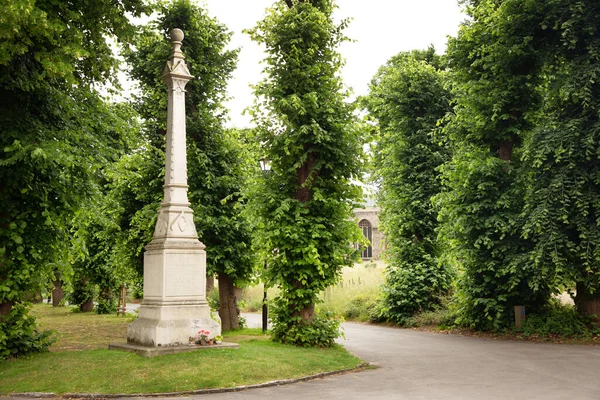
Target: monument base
pixel 145 351
pixel 171 325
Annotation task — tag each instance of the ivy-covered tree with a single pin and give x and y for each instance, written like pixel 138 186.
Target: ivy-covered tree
pixel 216 161
pixel 310 136
pixel 522 206
pixel 407 98
pixel 55 137
pixel 493 64
pixel 563 151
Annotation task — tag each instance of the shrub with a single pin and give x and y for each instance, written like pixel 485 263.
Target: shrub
pixel 364 307
pixel 557 319
pixel 19 334
pixel 106 306
pixel 323 331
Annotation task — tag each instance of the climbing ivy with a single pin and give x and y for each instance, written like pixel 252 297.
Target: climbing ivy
pixel 562 152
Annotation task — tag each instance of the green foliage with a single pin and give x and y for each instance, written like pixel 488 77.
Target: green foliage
pixel 106 306
pixel 557 319
pixel 363 308
pixel 322 332
pixel 83 290
pixel 311 138
pixel 19 334
pixel 407 98
pixel 57 134
pixel 441 318
pixel 521 212
pixel 95 261
pixel 493 63
pixel 562 152
pixel 213 298
pixel 480 219
pixel 65 44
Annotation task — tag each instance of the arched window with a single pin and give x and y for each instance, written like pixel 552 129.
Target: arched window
pixel 368 233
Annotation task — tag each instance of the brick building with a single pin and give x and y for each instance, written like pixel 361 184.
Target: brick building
pixel 368 221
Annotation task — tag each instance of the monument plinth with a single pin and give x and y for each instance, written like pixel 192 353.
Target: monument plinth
pixel 174 306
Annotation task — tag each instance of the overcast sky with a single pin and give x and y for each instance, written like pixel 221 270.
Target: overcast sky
pixel 380 28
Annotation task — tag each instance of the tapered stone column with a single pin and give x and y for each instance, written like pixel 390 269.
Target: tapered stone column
pixel 174 305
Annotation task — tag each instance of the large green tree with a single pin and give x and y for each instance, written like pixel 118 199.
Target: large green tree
pixel 97 270
pixel 407 98
pixel 522 206
pixel 56 134
pixel 310 136
pixel 493 64
pixel 563 151
pixel 216 161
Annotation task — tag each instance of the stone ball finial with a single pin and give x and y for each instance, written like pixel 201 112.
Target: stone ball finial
pixel 176 35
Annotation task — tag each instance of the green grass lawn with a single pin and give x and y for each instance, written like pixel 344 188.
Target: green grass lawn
pixel 79 362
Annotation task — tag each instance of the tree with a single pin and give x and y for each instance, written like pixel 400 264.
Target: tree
pixel 310 136
pixel 407 98
pixel 97 269
pixel 526 86
pixel 562 152
pixel 54 139
pixel 493 64
pixel 216 161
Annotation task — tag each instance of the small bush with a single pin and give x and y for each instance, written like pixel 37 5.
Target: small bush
pixel 242 323
pixel 364 307
pixel 83 291
pixel 442 318
pixel 106 306
pixel 19 335
pixel 252 306
pixel 557 319
pixel 137 290
pixel 321 333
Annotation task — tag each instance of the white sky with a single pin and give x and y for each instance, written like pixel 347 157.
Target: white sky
pixel 380 28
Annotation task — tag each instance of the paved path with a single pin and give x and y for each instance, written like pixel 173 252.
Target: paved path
pixel 422 365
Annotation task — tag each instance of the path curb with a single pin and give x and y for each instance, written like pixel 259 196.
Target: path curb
pixel 40 395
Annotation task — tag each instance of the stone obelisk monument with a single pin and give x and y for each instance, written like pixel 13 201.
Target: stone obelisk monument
pixel 174 305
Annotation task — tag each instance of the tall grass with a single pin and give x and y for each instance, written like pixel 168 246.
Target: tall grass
pixel 355 297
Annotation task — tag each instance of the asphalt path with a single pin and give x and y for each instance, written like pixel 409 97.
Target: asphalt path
pixel 423 365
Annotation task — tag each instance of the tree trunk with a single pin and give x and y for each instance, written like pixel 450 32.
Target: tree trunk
pixel 304 194
pixel 228 310
pixel 5 309
pixel 307 313
pixel 587 304
pixel 505 150
pixel 88 306
pixel 303 174
pixel 57 293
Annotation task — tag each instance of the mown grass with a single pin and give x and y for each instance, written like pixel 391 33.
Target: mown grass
pixel 73 367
